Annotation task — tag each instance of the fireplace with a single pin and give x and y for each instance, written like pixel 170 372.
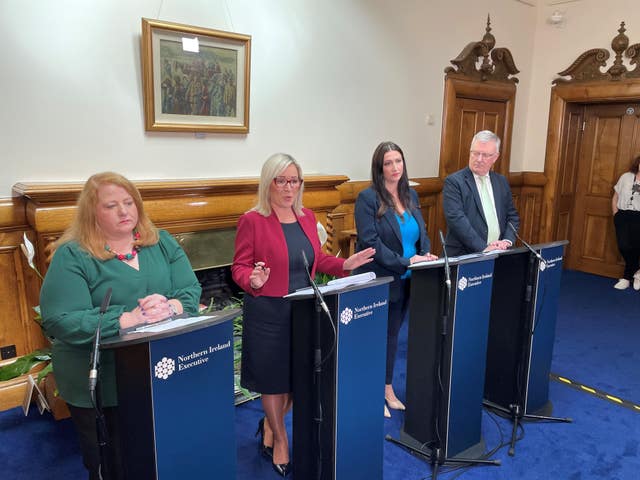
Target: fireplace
pixel 211 254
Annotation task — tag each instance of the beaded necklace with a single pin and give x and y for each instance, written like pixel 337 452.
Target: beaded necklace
pixel 125 257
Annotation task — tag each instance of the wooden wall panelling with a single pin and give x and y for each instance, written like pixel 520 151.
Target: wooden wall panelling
pixel 19 285
pixel 428 190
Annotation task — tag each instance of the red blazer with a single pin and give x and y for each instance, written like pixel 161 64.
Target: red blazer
pixel 261 239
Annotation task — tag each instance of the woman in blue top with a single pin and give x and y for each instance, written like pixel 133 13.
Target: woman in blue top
pixel 388 218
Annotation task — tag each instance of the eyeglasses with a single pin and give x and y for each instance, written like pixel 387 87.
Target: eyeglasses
pixel 294 182
pixel 482 155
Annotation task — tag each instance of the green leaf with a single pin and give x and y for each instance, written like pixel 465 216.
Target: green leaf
pixel 23 364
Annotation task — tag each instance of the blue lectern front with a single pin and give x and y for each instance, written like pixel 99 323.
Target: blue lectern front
pixel 446 359
pixel 349 443
pixel 176 399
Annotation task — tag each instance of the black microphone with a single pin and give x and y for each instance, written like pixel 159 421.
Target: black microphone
pixel 95 352
pixel 447 281
pixel 316 290
pixel 447 273
pixel 543 263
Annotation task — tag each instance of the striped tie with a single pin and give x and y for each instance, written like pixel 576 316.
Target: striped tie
pixel 493 230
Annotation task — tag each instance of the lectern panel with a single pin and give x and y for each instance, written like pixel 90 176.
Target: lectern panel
pixel 193 401
pixel 544 329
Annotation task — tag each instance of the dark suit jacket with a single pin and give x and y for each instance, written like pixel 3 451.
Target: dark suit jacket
pixel 466 225
pixel 383 234
pixel 261 239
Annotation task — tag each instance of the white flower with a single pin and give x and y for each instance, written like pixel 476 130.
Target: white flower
pixel 29 252
pixel 322 233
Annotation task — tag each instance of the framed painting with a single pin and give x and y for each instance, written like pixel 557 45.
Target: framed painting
pixel 195 79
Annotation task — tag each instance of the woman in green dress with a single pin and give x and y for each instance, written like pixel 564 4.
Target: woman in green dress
pixel 111 244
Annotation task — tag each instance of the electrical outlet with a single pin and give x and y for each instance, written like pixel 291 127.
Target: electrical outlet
pixel 8 351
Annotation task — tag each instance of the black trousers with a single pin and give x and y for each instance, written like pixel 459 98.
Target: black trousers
pixel 84 421
pixel 627 223
pixel 397 311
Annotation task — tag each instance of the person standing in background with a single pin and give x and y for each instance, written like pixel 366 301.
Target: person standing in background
pixel 388 219
pixel 625 206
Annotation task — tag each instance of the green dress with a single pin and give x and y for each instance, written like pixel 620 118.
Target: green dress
pixel 70 300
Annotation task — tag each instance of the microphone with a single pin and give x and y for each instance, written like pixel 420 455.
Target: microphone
pixel 316 290
pixel 447 273
pixel 95 352
pixel 447 281
pixel 543 263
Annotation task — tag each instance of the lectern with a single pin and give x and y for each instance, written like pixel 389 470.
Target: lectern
pixel 524 307
pixel 176 399
pixel 444 401
pixel 349 443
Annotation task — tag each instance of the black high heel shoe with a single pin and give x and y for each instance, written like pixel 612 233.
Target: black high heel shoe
pixel 282 469
pixel 266 452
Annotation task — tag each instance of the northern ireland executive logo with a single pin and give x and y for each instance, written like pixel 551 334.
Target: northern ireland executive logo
pixel 164 368
pixel 462 283
pixel 346 316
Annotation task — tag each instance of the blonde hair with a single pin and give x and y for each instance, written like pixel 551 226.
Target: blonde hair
pixel 84 228
pixel 274 165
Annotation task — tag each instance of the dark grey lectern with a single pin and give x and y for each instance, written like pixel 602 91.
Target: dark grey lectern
pixel 176 399
pixel 524 307
pixel 444 394
pixel 349 443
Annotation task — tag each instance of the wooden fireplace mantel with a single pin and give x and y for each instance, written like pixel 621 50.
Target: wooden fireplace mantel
pixel 43 210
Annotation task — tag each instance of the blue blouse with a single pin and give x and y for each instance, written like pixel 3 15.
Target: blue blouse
pixel 410 234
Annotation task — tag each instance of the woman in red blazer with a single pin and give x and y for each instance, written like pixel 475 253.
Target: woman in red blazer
pixel 267 265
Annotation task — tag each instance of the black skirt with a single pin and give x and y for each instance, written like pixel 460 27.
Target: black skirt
pixel 266 345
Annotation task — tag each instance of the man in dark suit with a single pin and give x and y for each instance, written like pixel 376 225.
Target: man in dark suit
pixel 477 202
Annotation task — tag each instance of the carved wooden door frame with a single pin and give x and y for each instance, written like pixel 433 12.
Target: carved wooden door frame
pixel 588 84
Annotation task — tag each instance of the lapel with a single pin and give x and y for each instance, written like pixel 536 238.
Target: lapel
pixel 390 217
pixel 471 184
pixel 495 186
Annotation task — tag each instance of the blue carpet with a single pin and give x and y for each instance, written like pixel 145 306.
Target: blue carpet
pixel 596 332
pixel 597 335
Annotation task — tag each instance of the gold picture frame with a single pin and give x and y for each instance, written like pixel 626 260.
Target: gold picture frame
pixel 194 79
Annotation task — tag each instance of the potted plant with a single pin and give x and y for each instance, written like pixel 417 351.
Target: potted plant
pixel 40 359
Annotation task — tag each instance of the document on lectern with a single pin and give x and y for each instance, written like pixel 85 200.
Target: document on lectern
pixel 169 324
pixel 353 279
pixel 336 284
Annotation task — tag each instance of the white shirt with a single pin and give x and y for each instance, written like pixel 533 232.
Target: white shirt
pixel 627 201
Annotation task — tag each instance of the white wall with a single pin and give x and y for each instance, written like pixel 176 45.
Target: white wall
pixel 588 24
pixel 329 80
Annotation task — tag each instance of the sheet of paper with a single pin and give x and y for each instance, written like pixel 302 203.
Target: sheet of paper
pixel 170 324
pixel 353 279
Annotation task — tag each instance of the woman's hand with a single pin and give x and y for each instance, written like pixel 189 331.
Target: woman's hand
pixel 259 275
pixel 151 309
pixel 422 258
pixel 358 259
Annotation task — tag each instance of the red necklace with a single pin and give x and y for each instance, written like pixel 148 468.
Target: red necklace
pixel 125 257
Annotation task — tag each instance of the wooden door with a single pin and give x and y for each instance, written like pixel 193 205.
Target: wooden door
pixel 611 139
pixel 473 115
pixel 572 128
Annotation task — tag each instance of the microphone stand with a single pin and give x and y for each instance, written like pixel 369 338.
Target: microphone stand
pixel 437 455
pixel 101 424
pixel 320 305
pixel 516 410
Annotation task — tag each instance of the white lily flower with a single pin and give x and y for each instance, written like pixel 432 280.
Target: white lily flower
pixel 322 233
pixel 29 252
